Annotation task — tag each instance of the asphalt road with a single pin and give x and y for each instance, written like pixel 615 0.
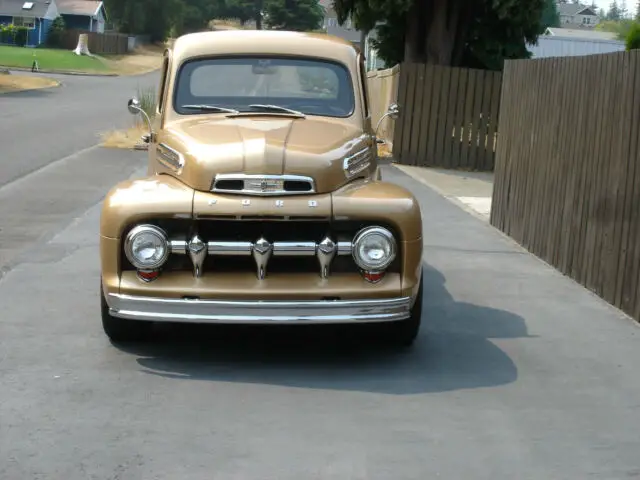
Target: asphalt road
pixel 518 373
pixel 42 126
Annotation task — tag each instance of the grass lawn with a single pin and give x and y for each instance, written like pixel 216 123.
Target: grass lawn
pixel 50 59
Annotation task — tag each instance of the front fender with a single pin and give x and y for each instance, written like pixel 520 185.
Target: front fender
pixel 382 201
pixel 134 200
pixel 391 204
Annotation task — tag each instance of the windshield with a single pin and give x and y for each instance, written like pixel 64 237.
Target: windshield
pixel 308 86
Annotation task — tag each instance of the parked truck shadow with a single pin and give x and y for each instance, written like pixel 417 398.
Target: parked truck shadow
pixel 453 351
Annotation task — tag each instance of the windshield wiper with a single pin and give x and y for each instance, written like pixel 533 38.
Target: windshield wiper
pixel 277 108
pixel 210 108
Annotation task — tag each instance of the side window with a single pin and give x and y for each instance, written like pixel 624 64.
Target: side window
pixel 163 82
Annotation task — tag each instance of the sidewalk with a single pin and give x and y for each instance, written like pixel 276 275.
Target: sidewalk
pixel 469 190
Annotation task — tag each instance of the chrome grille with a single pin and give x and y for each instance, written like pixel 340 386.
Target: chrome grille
pixel 263 185
pixel 261 250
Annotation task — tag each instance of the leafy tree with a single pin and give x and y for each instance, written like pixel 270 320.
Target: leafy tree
pixel 614 12
pixel 632 40
pixel 621 27
pixel 550 15
pixel 245 10
pixel 54 38
pixel 297 15
pixel 479 33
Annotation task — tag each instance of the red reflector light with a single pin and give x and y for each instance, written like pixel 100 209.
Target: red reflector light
pixel 373 277
pixel 148 276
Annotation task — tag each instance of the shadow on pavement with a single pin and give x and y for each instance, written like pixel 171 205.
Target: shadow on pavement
pixel 452 352
pixel 35 93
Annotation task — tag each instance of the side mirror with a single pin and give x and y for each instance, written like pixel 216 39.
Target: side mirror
pixel 135 108
pixel 393 111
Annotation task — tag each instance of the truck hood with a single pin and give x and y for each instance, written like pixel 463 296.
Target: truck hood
pixel 263 145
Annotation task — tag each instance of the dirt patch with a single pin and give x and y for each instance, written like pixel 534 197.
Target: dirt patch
pixel 144 59
pixel 20 83
pixel 127 139
pixel 383 150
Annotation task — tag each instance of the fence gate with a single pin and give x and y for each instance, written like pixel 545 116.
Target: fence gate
pixel 449 117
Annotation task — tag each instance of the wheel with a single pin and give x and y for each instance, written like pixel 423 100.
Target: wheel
pixel 120 330
pixel 404 332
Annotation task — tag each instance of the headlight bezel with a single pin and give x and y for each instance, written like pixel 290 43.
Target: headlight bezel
pixel 154 230
pixel 361 236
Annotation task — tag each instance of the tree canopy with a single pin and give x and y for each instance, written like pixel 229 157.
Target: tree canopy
pixel 297 15
pixel 161 18
pixel 474 33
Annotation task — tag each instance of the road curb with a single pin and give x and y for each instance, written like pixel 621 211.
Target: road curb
pixel 60 72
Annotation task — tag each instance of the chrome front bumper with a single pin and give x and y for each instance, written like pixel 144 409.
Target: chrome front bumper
pixel 258 312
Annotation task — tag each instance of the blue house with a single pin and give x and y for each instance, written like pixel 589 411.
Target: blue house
pixel 86 15
pixel 36 15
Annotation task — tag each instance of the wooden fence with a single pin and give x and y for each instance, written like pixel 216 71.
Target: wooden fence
pixel 449 117
pixel 567 176
pixel 383 91
pixel 98 43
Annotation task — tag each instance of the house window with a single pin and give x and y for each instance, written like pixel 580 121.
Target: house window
pixel 24 22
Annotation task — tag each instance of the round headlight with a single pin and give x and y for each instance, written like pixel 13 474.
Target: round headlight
pixel 146 247
pixel 374 248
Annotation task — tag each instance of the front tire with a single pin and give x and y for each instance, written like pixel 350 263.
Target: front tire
pixel 120 330
pixel 404 332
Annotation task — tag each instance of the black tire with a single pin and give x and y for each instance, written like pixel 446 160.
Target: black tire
pixel 404 332
pixel 120 330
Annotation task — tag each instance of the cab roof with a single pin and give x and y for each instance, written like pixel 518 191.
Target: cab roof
pixel 270 42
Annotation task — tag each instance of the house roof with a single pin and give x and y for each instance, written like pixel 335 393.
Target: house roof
pixel 78 7
pixel 32 8
pixel 574 9
pixel 584 33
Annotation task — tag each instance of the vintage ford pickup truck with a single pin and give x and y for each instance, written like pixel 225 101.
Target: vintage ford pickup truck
pixel 264 202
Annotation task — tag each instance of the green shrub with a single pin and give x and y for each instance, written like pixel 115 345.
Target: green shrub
pixel 7 32
pixel 633 37
pixel 54 39
pixel 20 36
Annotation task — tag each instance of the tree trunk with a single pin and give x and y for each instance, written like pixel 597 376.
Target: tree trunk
pixel 443 31
pixel 414 36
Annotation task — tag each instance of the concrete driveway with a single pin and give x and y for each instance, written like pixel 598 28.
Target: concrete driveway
pixel 518 373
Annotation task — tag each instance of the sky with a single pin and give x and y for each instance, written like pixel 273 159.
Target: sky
pixel 631 4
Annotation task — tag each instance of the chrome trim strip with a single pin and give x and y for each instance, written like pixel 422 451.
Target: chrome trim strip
pixel 178 247
pixel 249 179
pixel 165 159
pixel 294 249
pixel 345 248
pixel 246 248
pixel 230 248
pixel 357 163
pixel 258 311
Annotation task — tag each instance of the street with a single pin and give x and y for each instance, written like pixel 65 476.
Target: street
pixel 519 372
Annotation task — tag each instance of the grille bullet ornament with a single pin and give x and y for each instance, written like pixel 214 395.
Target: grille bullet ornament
pixel 327 249
pixel 262 250
pixel 197 251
